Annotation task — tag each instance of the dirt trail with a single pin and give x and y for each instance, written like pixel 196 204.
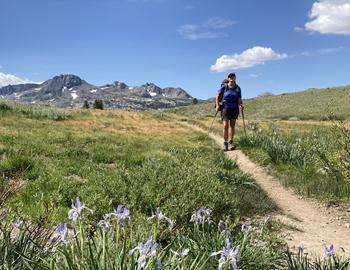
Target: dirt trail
pixel 310 224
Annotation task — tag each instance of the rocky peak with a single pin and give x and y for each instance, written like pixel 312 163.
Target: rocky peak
pixel 176 93
pixel 59 84
pixel 68 81
pixel 152 88
pixel 10 89
pixel 120 85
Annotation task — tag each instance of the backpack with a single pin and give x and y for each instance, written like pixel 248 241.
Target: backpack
pixel 224 83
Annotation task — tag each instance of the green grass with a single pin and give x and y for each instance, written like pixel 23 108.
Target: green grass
pixel 314 163
pixel 34 111
pixel 140 160
pixel 312 104
pixel 318 167
pixel 108 158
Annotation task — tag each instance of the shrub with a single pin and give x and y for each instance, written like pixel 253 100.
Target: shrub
pixel 86 105
pixel 98 104
pixel 4 107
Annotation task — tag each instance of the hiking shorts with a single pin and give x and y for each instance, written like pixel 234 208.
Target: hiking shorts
pixel 229 114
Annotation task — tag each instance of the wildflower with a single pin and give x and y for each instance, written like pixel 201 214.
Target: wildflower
pixel 328 251
pixel 180 255
pixel 223 227
pixel 76 211
pixel 202 216
pixel 146 250
pixel 160 215
pixel 301 248
pixel 268 220
pixel 228 255
pixel 159 265
pixel 18 223
pixel 246 228
pixel 121 214
pixel 171 223
pixel 104 224
pixel 62 233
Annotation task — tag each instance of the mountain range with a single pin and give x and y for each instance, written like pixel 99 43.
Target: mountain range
pixel 71 91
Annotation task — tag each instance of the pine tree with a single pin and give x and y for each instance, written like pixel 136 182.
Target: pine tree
pixel 86 104
pixel 98 104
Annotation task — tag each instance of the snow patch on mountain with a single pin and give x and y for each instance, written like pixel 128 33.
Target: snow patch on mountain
pixel 7 79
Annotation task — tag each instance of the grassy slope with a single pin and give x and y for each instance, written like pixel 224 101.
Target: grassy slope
pixel 268 112
pixel 306 105
pixel 313 104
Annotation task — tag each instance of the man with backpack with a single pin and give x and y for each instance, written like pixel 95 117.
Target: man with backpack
pixel 228 100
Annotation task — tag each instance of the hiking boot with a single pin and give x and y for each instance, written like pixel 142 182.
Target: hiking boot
pixel 232 145
pixel 225 146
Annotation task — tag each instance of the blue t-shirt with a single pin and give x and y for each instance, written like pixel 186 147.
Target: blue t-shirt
pixel 230 96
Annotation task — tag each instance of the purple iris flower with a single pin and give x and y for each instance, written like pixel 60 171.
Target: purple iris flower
pixel 62 232
pixel 145 250
pixel 228 255
pixel 202 216
pixel 121 214
pixel 159 265
pixel 104 224
pixel 76 211
pixel 160 215
pixel 328 251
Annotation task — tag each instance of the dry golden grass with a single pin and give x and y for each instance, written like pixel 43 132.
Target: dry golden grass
pixel 135 123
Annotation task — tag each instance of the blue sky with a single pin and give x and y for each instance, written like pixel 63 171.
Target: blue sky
pixel 272 45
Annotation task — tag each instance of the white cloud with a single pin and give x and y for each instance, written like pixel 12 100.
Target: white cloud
pixel 298 29
pixel 330 17
pixel 253 75
pixel 6 79
pixel 207 30
pixel 218 23
pixel 249 58
pixel 1 67
pixel 322 51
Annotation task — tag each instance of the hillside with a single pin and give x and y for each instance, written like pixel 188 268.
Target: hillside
pixel 306 105
pixel 311 104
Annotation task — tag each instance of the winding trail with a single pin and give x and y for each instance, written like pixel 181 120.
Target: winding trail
pixel 308 223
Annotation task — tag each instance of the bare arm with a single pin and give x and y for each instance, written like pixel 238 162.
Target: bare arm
pixel 240 103
pixel 217 102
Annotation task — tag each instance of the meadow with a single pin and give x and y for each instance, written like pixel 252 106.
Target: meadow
pixel 90 189
pixel 302 138
pixel 106 159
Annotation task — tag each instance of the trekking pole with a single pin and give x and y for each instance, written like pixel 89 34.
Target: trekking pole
pixel 212 122
pixel 245 132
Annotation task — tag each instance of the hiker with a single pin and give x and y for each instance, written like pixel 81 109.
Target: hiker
pixel 231 98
